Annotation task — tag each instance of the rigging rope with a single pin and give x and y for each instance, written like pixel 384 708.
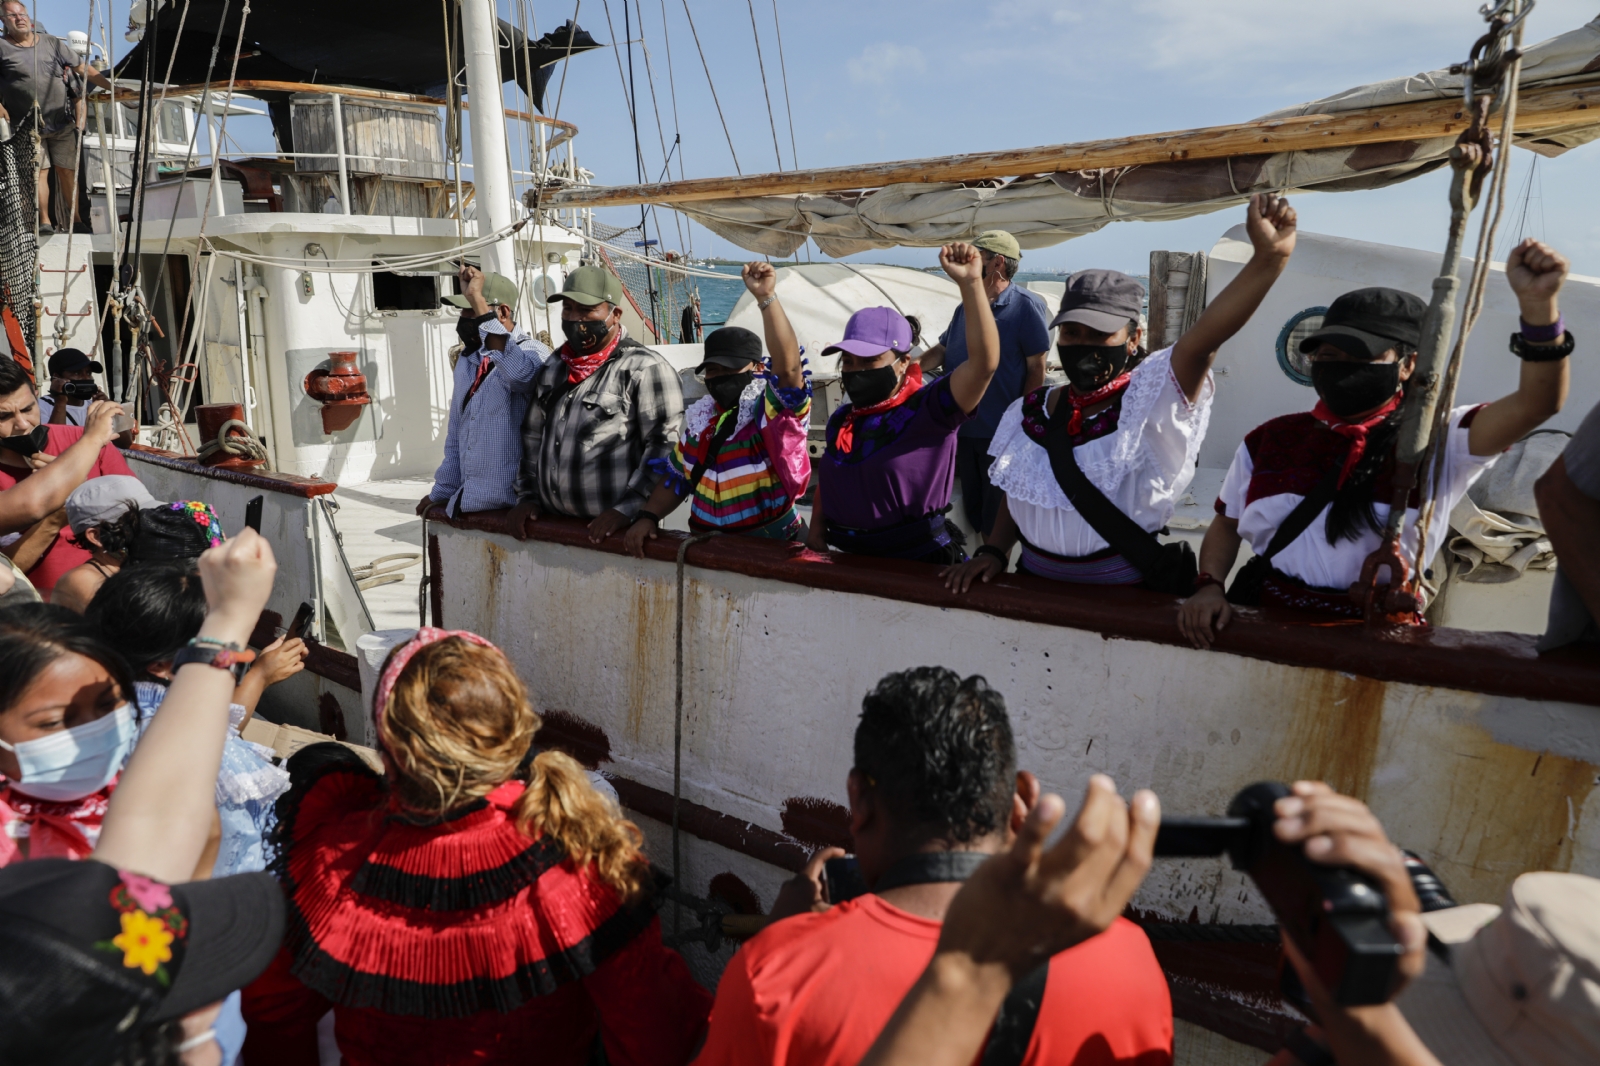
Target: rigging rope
pixel 572 36
pixel 783 68
pixel 761 65
pixel 397 264
pixel 712 85
pixel 1476 289
pixel 686 237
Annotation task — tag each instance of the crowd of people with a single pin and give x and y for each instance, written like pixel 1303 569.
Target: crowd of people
pixel 171 893
pixel 477 900
pixel 1077 481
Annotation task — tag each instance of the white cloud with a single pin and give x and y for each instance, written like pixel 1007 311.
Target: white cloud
pixel 878 64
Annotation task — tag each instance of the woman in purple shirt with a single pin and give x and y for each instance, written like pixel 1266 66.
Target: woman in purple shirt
pixel 890 460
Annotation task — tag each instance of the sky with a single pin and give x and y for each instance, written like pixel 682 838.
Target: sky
pixel 874 80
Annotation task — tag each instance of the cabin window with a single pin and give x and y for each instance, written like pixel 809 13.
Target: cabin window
pixel 1297 329
pixel 399 292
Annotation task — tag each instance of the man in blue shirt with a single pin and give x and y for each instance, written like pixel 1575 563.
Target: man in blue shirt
pixel 1022 317
pixel 493 382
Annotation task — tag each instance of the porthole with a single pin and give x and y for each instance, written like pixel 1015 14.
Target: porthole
pixel 1297 329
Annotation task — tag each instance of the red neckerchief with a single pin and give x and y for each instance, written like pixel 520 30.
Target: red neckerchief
pixel 55 829
pixel 1104 392
pixel 485 365
pixel 1354 432
pixel 847 428
pixel 580 367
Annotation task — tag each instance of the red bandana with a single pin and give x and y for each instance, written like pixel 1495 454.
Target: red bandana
pixel 55 829
pixel 1104 392
pixel 580 367
pixel 847 429
pixel 1355 432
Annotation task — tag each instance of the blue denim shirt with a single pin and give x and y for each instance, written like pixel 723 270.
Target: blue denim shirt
pixel 483 443
pixel 1022 318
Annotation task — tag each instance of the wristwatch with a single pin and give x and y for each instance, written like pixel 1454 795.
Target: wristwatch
pixel 990 549
pixel 229 657
pixel 762 305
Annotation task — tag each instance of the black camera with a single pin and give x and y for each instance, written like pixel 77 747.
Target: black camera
pixel 79 391
pixel 1337 916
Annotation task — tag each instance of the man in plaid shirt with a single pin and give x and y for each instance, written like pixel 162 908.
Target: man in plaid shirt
pixel 601 412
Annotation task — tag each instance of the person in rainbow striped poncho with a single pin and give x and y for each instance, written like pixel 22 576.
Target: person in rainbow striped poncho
pixel 742 459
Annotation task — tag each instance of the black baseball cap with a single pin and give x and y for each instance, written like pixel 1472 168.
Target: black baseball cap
pixel 1368 322
pixel 732 346
pixel 92 956
pixel 1103 300
pixel 68 360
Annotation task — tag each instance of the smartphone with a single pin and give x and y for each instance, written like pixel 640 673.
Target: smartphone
pixel 302 620
pixel 252 512
pixel 844 879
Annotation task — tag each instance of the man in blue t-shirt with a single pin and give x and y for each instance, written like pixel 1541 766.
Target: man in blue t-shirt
pixel 1022 318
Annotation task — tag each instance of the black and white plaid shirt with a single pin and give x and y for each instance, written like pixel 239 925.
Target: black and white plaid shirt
pixel 586 448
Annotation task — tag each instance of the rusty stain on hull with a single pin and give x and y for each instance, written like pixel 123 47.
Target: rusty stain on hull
pixel 654 626
pixel 1507 811
pixel 1334 721
pixel 496 571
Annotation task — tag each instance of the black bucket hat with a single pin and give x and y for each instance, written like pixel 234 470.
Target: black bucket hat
pixel 91 956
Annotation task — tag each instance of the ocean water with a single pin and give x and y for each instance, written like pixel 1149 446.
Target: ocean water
pixel 717 296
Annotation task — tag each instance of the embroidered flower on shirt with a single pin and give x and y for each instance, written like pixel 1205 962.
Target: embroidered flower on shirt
pixel 203 516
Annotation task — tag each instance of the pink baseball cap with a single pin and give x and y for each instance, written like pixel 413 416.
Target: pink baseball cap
pixel 872 331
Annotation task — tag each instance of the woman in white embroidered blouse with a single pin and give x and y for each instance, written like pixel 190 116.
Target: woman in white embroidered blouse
pixel 1136 432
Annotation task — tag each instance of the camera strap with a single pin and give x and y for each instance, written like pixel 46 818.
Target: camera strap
pixel 931 867
pixel 1019 1014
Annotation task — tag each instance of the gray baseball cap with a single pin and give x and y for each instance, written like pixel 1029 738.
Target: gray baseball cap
pixel 1103 300
pixel 106 499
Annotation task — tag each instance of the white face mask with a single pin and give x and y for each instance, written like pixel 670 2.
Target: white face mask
pixel 73 763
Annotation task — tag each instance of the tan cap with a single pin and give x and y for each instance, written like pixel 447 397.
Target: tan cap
pixel 998 241
pixel 1522 987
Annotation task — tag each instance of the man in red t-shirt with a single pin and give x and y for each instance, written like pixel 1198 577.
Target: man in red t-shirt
pixel 39 467
pixel 933 793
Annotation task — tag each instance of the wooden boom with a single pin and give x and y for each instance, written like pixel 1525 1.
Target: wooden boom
pixel 1541 108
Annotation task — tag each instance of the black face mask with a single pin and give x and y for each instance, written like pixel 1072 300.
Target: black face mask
pixel 1089 366
pixel 586 335
pixel 868 387
pixel 727 388
pixel 27 443
pixel 467 330
pixel 1351 388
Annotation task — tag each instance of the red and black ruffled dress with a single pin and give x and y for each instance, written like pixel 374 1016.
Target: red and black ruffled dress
pixel 450 941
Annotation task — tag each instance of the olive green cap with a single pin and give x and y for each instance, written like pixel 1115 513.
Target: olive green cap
pixel 590 285
pixel 1000 242
pixel 498 290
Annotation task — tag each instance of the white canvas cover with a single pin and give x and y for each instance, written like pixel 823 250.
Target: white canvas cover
pixel 1041 210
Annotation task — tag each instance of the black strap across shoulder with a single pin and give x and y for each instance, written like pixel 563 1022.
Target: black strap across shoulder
pixel 1018 1018
pixel 725 430
pixel 1019 1013
pixel 1163 565
pixel 1304 513
pixel 1248 582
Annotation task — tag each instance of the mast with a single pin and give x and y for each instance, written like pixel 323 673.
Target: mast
pixel 491 173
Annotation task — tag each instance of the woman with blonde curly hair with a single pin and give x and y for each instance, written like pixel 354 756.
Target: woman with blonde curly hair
pixel 449 911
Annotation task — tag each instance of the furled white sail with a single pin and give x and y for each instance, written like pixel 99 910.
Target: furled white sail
pixel 1042 210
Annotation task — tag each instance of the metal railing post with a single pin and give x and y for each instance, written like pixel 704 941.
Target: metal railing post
pixel 344 163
